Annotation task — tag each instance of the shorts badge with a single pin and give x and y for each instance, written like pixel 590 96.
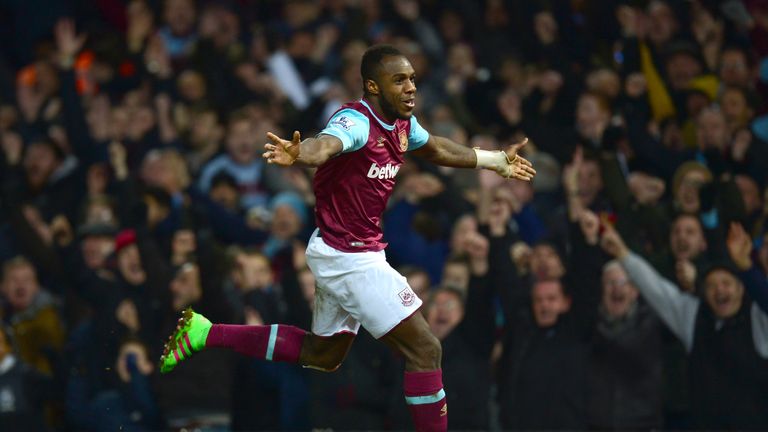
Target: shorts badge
pixel 407 296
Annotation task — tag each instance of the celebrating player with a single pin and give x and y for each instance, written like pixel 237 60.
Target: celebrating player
pixel 358 155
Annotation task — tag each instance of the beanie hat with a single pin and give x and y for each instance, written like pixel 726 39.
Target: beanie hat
pixel 124 238
pixel 292 200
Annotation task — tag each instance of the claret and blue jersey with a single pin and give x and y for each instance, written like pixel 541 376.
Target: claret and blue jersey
pixel 352 127
pixel 353 187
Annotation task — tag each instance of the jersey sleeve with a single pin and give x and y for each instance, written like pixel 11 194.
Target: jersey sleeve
pixel 418 136
pixel 351 127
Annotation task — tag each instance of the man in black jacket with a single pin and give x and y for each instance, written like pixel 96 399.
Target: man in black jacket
pixel 542 372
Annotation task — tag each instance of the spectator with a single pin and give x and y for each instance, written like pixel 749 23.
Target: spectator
pixel 625 367
pixel 688 257
pixel 466 330
pixel 271 388
pixel 131 405
pixel 288 222
pixel 177 394
pixel 255 178
pixel 205 134
pixel 543 361
pixel 418 280
pixel 22 390
pixel 178 34
pixel 97 243
pixel 725 318
pixel 32 314
pixel 740 249
pixel 148 117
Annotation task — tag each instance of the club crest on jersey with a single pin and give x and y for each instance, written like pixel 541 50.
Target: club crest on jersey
pixel 388 171
pixel 403 140
pixel 345 122
pixel 407 296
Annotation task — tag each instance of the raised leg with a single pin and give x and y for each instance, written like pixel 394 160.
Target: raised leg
pixel 276 342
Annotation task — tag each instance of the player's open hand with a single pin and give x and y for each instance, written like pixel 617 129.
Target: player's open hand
pixel 280 151
pixel 517 166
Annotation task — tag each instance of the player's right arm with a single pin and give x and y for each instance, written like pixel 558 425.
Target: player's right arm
pixel 346 131
pixel 311 152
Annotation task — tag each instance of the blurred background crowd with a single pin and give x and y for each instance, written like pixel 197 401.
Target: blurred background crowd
pixel 132 186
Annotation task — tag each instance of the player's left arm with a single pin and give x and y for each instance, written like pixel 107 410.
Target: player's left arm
pixel 508 164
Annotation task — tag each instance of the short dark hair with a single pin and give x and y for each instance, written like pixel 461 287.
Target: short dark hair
pixel 456 292
pixel 749 56
pixel 410 270
pixel 239 115
pixel 559 281
pixel 692 217
pixel 224 178
pixel 15 262
pixel 48 143
pixel 369 66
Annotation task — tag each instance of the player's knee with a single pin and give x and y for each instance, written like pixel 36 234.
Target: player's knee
pixel 321 354
pixel 429 353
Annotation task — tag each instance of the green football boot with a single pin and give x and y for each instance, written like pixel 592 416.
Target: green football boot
pixel 189 338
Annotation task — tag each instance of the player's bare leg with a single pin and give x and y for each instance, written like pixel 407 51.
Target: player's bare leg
pixel 325 353
pixel 423 383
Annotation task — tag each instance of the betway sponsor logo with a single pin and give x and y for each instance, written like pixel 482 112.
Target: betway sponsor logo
pixel 388 171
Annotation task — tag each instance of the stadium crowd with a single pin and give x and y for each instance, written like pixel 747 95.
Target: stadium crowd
pixel 624 288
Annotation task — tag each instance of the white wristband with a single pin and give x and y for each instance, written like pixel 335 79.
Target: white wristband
pixel 494 160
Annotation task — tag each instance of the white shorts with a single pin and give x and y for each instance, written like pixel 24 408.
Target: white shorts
pixel 357 288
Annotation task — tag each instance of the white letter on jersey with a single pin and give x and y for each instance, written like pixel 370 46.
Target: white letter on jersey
pixel 388 171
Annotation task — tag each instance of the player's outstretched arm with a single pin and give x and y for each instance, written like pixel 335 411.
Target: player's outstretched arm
pixel 508 164
pixel 312 151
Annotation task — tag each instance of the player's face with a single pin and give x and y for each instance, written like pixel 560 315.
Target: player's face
pixel 397 87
